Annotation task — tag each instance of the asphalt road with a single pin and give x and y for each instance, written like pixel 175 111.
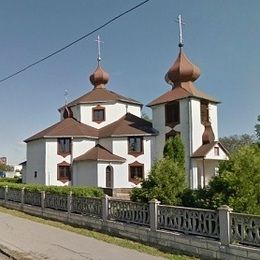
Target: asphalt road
pixel 30 240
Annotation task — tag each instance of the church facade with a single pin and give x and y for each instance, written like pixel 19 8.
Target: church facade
pixel 101 139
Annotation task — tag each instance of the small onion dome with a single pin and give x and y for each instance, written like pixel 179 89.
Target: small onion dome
pixel 99 78
pixel 67 113
pixel 182 70
pixel 208 135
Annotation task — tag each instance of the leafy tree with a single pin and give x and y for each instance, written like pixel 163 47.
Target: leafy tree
pixel 234 142
pixel 238 184
pixel 257 128
pixel 6 168
pixel 174 149
pixel 166 180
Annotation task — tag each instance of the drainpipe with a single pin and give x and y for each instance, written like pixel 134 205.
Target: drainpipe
pixel 190 143
pixel 204 176
pixel 71 162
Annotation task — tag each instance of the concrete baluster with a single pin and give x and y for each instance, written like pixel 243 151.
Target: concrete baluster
pixel 224 224
pixel 6 193
pixel 105 207
pixel 69 202
pixel 153 210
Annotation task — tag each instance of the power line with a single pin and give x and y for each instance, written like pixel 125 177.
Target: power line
pixel 72 43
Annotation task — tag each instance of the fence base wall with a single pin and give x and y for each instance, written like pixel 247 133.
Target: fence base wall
pixel 204 248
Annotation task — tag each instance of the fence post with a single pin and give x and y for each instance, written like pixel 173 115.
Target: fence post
pixel 22 197
pixel 69 202
pixel 6 193
pixel 153 210
pixel 105 207
pixel 224 224
pixel 42 199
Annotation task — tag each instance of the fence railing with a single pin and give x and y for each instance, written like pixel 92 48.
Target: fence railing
pixel 130 212
pixel 245 229
pixel 189 220
pixel 221 224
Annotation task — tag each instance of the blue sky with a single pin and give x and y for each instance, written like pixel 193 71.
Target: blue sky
pixel 221 37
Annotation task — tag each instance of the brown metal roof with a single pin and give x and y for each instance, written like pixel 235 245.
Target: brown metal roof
pixel 99 153
pixel 101 95
pixel 181 91
pixel 203 150
pixel 128 125
pixel 68 127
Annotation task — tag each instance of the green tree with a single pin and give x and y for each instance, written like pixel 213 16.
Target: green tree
pixel 166 181
pixel 234 142
pixel 6 168
pixel 238 184
pixel 257 128
pixel 174 149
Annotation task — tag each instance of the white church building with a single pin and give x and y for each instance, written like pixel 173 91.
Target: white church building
pixel 101 139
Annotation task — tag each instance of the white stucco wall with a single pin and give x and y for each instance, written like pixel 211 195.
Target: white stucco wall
pixel 106 142
pixel 81 146
pixel 158 117
pixel 120 147
pixel 35 161
pixel 213 117
pixel 85 173
pixel 113 112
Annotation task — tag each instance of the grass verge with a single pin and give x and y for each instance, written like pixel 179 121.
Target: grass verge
pixel 100 236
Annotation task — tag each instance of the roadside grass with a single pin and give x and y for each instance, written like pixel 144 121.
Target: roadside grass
pixel 126 243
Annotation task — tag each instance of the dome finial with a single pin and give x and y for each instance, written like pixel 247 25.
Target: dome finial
pixel 100 77
pixel 180 22
pixel 99 51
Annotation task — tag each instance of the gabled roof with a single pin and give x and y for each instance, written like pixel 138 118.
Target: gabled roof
pixel 181 91
pixel 99 95
pixel 128 125
pixel 203 150
pixel 99 153
pixel 68 127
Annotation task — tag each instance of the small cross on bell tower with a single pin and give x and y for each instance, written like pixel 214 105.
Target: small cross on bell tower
pixel 99 51
pixel 180 22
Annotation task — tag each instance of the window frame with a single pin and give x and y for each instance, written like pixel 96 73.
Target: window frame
pixel 98 108
pixel 66 175
pixel 169 107
pixel 60 151
pixel 136 179
pixel 136 153
pixel 216 151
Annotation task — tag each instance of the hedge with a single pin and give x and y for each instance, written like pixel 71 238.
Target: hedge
pixel 80 191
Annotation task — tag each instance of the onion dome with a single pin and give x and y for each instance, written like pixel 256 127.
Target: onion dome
pixel 208 135
pixel 99 78
pixel 182 70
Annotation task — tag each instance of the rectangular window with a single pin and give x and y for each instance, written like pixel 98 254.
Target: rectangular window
pixel 135 145
pixel 204 112
pixel 98 114
pixel 64 146
pixel 216 151
pixel 136 173
pixel 64 173
pixel 172 113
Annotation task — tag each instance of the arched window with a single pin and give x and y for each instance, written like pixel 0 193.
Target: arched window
pixel 109 177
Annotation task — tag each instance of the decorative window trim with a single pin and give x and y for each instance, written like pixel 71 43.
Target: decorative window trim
pixel 59 150
pixel 169 122
pixel 98 108
pixel 64 165
pixel 171 134
pixel 136 180
pixel 136 153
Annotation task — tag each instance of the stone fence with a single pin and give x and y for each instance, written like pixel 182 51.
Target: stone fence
pixel 210 234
